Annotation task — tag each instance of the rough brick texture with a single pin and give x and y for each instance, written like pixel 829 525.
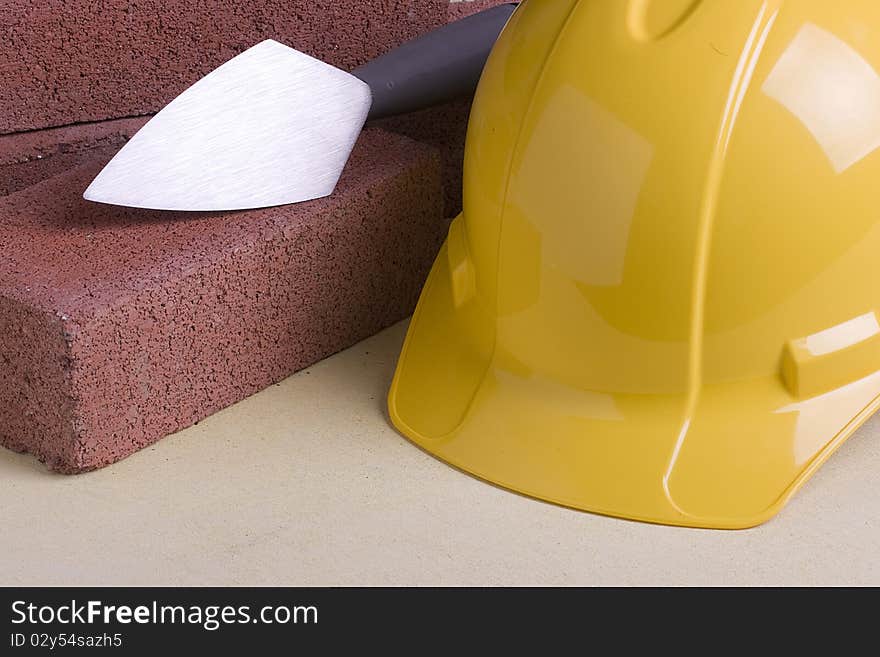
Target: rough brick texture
pixel 28 158
pixel 70 61
pixel 77 61
pixel 461 8
pixel 122 326
pixel 444 127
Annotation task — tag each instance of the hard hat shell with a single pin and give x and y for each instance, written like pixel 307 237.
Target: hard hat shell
pixel 660 299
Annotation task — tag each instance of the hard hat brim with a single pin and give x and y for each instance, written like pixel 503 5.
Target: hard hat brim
pixel 730 460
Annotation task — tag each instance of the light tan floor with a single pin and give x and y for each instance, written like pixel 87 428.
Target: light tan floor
pixel 306 484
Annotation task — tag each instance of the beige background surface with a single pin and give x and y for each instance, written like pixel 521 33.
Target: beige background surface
pixel 307 484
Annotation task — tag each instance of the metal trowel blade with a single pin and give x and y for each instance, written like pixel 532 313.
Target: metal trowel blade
pixel 269 127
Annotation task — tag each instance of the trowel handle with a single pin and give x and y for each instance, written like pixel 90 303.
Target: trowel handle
pixel 437 67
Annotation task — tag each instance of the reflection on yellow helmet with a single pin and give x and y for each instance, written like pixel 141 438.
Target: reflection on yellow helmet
pixel 660 301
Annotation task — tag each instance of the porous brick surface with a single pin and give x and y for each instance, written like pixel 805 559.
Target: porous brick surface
pixel 77 61
pixel 460 8
pixel 70 61
pixel 27 158
pixel 445 128
pixel 122 326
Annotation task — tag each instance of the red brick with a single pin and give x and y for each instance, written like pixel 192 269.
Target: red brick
pixel 72 61
pixel 122 326
pixel 28 158
pixel 461 8
pixel 444 127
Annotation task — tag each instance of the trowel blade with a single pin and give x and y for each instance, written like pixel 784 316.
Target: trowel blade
pixel 269 127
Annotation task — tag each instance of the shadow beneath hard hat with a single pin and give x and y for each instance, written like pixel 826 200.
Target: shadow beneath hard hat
pixel 577 511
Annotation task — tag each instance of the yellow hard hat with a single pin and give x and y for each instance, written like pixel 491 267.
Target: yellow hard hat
pixel 660 301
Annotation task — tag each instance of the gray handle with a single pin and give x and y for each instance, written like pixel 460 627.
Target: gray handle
pixel 435 68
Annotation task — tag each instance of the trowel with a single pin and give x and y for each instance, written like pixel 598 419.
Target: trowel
pixel 274 126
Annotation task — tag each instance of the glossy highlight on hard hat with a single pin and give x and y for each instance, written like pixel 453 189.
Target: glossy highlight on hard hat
pixel 660 301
